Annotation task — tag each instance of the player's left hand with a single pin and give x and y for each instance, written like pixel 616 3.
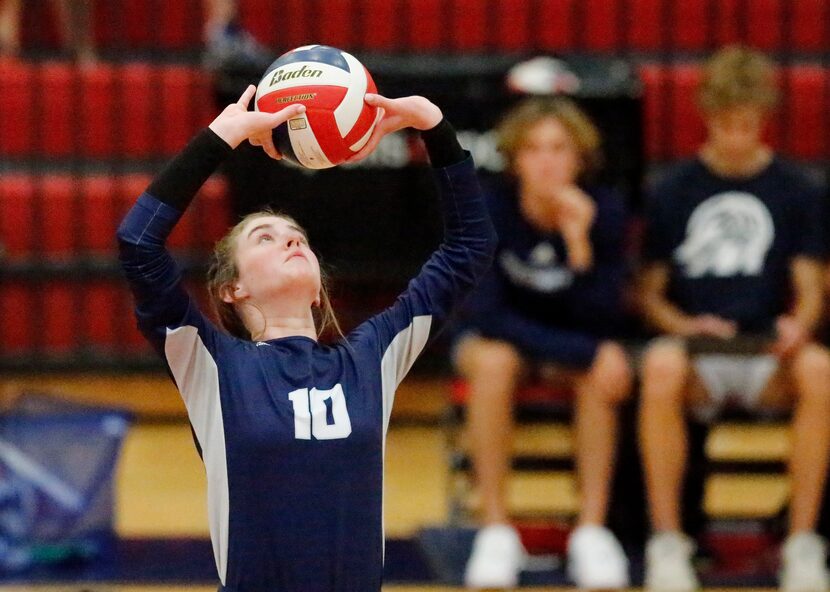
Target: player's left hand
pixel 235 123
pixel 396 114
pixel 791 335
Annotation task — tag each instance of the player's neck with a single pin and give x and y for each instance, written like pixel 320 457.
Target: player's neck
pixel 730 166
pixel 275 323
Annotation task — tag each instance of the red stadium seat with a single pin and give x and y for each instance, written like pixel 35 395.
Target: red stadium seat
pixel 512 18
pixel 380 25
pixel 58 323
pixel 808 19
pixel 656 128
pixel 16 214
pixel 600 25
pixel 765 20
pixel 136 124
pixel 59 127
pixel 58 215
pixel 557 31
pixel 806 128
pixel 424 25
pixel 179 24
pixel 100 215
pixel 690 24
pixel 100 314
pixel 729 22
pixel 186 103
pixel 215 216
pixel 17 308
pixel 335 23
pixel 644 30
pixel 259 16
pixel 17 118
pixel 685 122
pixel 468 21
pixel 98 111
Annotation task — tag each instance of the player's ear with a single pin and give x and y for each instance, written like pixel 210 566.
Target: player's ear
pixel 234 292
pixel 317 301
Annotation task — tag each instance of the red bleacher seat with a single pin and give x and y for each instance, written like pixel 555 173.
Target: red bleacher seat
pixel 58 212
pixel 686 124
pixel 513 27
pixel 601 25
pixel 178 107
pixel 335 26
pixel 644 30
pixel 17 193
pixel 288 28
pixel 808 20
pixel 689 21
pixel 100 214
pixel 468 22
pixel 17 118
pixel 59 118
pixel 57 325
pixel 424 25
pixel 100 313
pixel 180 25
pixel 805 129
pixel 98 111
pixel 16 306
pixel 557 33
pixel 215 214
pixel 137 120
pixel 655 130
pixel 379 25
pixel 765 24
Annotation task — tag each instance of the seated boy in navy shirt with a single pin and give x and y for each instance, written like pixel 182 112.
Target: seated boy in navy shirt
pixel 734 248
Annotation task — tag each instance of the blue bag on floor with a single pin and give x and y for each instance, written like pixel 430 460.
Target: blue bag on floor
pixel 56 481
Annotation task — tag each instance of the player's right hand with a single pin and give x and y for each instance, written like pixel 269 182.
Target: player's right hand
pixel 235 123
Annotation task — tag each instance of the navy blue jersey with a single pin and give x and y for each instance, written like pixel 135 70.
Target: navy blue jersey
pixel 533 300
pixel 729 242
pixel 292 431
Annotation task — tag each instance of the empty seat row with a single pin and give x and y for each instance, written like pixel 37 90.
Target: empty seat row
pixel 62 317
pixel 673 127
pixel 133 111
pixel 463 25
pixel 58 216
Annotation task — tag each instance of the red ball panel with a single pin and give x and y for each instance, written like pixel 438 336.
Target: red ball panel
pixel 313 97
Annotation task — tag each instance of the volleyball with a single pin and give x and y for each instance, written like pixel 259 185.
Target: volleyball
pixel 331 84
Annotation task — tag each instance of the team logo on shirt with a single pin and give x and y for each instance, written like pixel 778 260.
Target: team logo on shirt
pixel 728 234
pixel 542 271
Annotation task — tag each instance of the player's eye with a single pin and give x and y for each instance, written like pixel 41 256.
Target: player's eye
pixel 265 237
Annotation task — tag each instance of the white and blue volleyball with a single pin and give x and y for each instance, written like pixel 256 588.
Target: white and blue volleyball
pixel 331 84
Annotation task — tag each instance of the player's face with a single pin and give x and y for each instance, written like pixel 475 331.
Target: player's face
pixel 548 157
pixel 274 260
pixel 736 132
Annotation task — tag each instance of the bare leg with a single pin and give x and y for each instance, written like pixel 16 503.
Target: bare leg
pixel 668 384
pixel 598 395
pixel 492 369
pixel 810 370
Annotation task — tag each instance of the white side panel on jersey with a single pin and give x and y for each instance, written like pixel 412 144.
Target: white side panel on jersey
pixel 398 359
pixel 306 147
pixel 351 106
pixel 396 362
pixel 197 378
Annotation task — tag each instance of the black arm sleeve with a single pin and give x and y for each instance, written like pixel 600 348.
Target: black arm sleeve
pixel 442 145
pixel 181 178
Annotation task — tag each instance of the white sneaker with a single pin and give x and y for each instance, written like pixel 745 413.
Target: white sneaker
pixel 497 558
pixel 804 564
pixel 596 559
pixel 669 563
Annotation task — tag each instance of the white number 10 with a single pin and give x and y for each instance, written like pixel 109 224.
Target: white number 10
pixel 311 414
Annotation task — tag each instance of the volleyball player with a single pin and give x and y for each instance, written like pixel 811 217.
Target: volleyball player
pixel 292 431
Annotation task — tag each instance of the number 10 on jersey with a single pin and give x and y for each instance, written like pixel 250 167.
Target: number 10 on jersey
pixel 320 413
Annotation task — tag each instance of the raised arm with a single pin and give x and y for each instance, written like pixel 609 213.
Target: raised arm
pixel 152 274
pixel 469 242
